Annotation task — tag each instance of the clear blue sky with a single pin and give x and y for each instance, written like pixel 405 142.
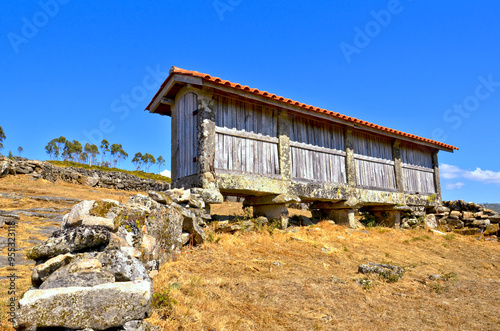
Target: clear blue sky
pixel 86 69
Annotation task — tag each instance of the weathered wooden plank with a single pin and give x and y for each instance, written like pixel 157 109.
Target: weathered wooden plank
pixel 316 148
pixel 244 134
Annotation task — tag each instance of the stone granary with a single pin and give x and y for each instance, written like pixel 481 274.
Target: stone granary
pixel 275 151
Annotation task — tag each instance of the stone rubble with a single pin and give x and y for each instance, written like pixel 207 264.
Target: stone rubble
pixel 95 273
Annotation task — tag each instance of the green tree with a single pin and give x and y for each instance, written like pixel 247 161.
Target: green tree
pixel 92 152
pixel 84 157
pixel 137 160
pixel 118 153
pixel 2 138
pixel 148 160
pixel 72 150
pixel 61 143
pixel 20 150
pixel 104 149
pixel 52 149
pixel 10 155
pixel 160 162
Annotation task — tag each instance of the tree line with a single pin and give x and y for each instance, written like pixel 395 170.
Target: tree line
pixel 110 154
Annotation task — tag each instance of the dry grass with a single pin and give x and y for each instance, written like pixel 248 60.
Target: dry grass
pixel 233 283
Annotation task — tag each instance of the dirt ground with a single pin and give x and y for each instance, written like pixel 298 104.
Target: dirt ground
pixel 301 279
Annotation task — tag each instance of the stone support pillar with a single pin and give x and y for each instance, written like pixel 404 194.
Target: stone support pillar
pixel 341 213
pixel 350 164
pixel 285 159
pixel 437 181
pixel 174 146
pixel 271 206
pixel 398 167
pixel 388 218
pixel 206 138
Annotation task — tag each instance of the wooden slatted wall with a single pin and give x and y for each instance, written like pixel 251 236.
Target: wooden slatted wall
pixel 374 162
pixel 246 137
pixel 318 151
pixel 187 135
pixel 418 171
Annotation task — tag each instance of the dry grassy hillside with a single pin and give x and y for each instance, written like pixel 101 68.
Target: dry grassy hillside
pixel 304 279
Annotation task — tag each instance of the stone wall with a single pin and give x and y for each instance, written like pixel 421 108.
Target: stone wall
pixel 96 273
pixel 457 216
pixel 91 178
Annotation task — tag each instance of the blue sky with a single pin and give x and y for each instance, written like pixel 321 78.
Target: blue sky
pixel 87 70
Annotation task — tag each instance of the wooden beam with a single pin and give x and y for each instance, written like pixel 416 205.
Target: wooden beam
pixel 167 101
pixel 247 135
pixel 174 80
pixel 317 148
pixel 373 159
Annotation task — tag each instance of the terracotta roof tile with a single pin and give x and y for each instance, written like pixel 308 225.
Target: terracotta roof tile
pixel 217 80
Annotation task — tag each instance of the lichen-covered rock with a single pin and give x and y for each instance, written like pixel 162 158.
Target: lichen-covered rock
pixel 430 221
pixel 94 213
pixel 79 273
pixel 122 266
pixel 179 195
pixel 160 197
pixel 190 224
pixel 139 326
pixel 388 271
pixel 4 168
pixel 70 240
pixel 491 229
pixel 42 271
pixel 210 196
pixel 77 213
pixel 144 203
pixel 165 225
pixel 98 307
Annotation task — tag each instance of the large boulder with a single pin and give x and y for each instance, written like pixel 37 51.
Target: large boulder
pixel 98 307
pixel 70 240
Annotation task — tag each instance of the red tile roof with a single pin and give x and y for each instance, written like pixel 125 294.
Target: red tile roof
pixel 226 83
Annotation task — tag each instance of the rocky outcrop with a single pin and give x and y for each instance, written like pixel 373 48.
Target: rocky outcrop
pixel 96 272
pixel 91 178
